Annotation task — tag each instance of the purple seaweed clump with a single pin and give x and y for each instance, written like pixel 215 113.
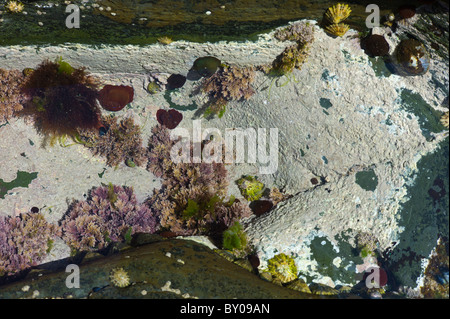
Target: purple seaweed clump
pixel 110 214
pixel 191 200
pixel 24 241
pixel 11 99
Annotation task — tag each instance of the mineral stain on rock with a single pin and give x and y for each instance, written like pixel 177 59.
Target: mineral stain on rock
pixel 325 103
pixel 23 179
pixel 368 180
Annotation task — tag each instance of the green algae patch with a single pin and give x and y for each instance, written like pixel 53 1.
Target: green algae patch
pixel 379 67
pixel 168 98
pixel 338 264
pixel 429 118
pixel 424 216
pixel 368 180
pixel 325 103
pixel 23 179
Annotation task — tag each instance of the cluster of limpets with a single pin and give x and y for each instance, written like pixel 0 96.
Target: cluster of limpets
pixel 333 18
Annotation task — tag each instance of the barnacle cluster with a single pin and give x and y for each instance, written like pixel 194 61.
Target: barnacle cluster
pixel 24 241
pixel 229 83
pixel 61 99
pixel 110 214
pixel 333 18
pixel 119 141
pixel 11 100
pixel 282 267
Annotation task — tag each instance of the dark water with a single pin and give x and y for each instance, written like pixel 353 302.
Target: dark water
pixel 179 19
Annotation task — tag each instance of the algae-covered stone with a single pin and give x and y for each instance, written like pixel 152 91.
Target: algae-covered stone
pixel 299 285
pixel 148 272
pixel 244 263
pixel 228 255
pixel 321 289
pixel 265 275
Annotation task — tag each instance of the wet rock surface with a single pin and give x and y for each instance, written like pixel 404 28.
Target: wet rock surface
pixel 166 269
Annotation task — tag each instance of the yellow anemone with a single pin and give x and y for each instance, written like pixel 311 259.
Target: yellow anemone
pixel 14 6
pixel 337 29
pixel 338 13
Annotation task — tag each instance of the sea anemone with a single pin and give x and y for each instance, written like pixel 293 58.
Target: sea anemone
pixel 110 214
pixel 61 99
pixel 11 100
pixel 153 88
pixel 118 141
pixel 445 120
pixel 376 45
pixel 250 188
pixel 24 241
pixel 337 13
pixel 119 278
pixel 14 6
pixel 169 119
pixel 165 40
pixel 282 267
pixel 206 66
pixel 115 97
pixel 406 11
pixel 175 81
pixel 338 30
pixel 410 58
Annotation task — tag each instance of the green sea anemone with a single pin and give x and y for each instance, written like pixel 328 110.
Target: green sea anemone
pixel 282 267
pixel 153 88
pixel 250 188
